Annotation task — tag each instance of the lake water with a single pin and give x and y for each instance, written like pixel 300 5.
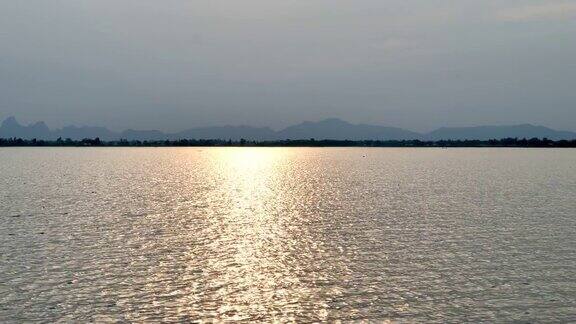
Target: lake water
pixel 281 234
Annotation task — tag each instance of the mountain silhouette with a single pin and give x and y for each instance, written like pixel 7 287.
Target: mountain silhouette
pixel 228 132
pixel 12 128
pixel 332 128
pixel 74 132
pixel 143 135
pixel 337 129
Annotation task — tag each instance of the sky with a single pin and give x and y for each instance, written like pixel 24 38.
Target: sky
pixel 176 64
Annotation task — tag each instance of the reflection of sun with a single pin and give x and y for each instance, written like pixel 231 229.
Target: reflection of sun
pixel 253 228
pixel 252 158
pixel 258 245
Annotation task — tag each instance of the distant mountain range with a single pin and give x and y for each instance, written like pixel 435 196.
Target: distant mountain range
pixel 334 129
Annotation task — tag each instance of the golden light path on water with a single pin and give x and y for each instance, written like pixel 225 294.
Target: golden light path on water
pixel 271 268
pixel 252 223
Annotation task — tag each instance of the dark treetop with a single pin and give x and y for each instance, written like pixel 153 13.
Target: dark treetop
pixel 506 142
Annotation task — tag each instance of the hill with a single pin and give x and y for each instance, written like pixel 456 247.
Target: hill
pixel 331 129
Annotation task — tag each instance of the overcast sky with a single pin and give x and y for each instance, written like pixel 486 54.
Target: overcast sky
pixel 174 64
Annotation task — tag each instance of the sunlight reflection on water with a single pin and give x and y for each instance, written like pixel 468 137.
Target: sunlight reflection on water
pixel 287 234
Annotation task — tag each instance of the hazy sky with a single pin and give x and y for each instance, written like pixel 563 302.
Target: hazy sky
pixel 173 64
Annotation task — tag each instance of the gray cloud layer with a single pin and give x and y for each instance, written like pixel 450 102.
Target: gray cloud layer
pixel 174 64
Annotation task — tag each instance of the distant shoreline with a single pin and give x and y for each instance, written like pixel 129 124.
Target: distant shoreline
pixel 96 142
pixel 329 129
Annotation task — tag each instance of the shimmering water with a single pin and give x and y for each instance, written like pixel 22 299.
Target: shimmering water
pixel 280 234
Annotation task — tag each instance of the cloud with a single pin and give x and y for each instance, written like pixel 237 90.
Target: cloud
pixel 550 11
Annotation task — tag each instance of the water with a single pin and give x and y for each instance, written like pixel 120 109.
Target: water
pixel 281 234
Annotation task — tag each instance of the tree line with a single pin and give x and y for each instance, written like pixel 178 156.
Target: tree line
pixel 505 142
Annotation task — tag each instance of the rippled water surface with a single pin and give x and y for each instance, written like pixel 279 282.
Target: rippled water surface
pixel 281 234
